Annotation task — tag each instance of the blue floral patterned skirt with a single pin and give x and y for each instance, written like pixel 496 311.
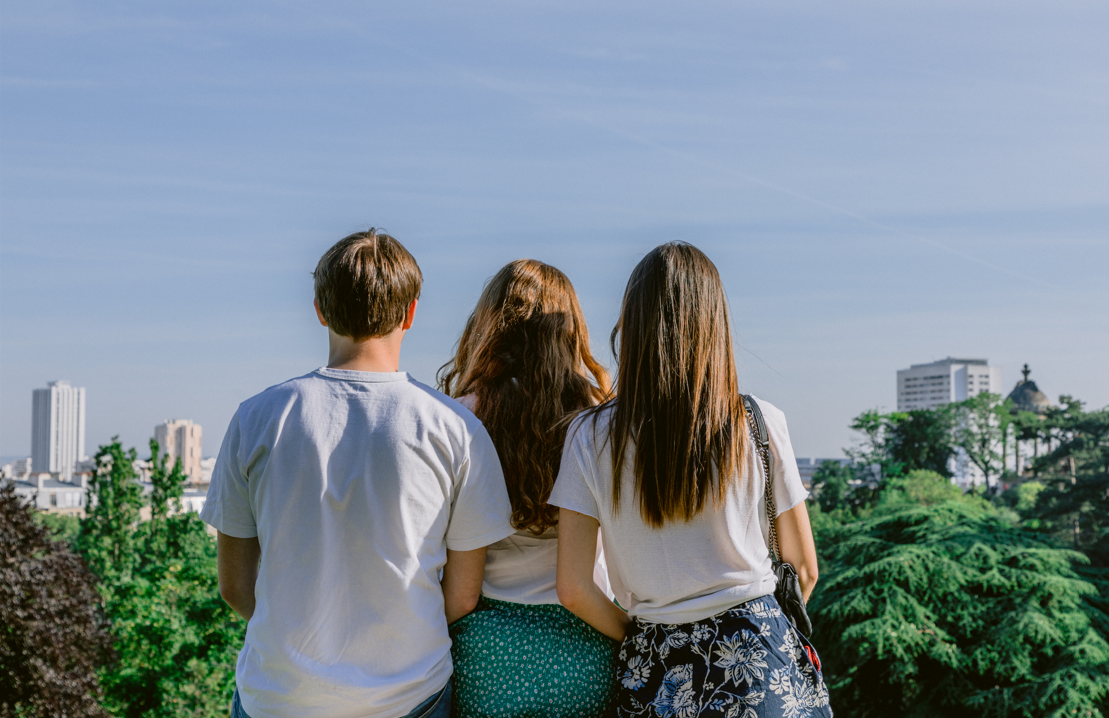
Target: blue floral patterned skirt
pixel 517 661
pixel 746 662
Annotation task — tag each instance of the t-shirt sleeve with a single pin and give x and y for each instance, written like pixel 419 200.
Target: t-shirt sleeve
pixel 481 513
pixel 227 507
pixel 572 486
pixel 788 489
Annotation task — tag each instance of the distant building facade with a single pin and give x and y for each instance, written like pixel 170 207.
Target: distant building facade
pixel 808 468
pixel 207 466
pixel 58 428
pixel 18 468
pixel 182 439
pixel 49 495
pixel 926 386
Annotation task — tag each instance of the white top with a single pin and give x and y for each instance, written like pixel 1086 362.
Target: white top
pixel 683 572
pixel 521 568
pixel 355 484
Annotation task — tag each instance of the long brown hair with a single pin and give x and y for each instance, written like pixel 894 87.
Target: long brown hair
pixel 677 394
pixel 525 357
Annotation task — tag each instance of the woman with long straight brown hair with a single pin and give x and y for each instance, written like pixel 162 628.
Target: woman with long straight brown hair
pixel 668 471
pixel 524 367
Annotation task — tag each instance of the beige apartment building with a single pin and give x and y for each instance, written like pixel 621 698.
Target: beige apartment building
pixel 181 438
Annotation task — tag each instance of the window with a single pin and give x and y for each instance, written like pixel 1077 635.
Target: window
pixel 53 499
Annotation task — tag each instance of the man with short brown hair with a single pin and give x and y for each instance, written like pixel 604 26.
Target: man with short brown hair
pixel 339 497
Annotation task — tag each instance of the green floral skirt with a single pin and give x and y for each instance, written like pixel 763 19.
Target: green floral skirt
pixel 517 661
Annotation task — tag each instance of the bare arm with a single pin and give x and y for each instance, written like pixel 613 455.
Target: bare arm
pixel 797 546
pixel 462 577
pixel 577 553
pixel 237 562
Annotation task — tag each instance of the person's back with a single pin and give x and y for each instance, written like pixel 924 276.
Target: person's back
pixel 669 472
pixel 358 483
pixel 523 365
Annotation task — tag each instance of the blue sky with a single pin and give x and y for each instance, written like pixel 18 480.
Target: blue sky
pixel 880 184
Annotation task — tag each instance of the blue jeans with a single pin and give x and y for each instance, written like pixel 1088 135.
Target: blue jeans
pixel 437 706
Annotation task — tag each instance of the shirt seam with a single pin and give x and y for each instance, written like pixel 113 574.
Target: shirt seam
pixel 470 544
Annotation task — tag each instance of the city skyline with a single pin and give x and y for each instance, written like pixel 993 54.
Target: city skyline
pixel 879 186
pixel 991 379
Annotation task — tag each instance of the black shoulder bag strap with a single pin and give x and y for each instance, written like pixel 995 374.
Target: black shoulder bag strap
pixel 788 592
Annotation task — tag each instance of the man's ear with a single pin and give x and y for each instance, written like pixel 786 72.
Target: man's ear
pixel 409 315
pixel 319 314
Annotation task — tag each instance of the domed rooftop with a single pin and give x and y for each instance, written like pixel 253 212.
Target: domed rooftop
pixel 1027 396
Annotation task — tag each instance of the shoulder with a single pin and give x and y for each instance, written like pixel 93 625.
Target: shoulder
pixel 440 408
pixel 775 418
pixel 590 427
pixel 278 394
pixel 770 412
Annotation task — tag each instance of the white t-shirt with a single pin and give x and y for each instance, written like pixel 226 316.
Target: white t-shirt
pixel 521 568
pixel 355 484
pixel 683 572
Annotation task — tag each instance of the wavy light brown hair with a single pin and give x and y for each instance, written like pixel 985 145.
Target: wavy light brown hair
pixel 677 393
pixel 524 356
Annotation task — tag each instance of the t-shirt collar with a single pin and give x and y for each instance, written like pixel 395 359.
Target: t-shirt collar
pixel 376 377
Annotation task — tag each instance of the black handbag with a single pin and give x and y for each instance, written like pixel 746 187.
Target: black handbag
pixel 788 592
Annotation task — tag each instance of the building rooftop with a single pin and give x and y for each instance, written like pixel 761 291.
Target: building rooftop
pixel 953 360
pixel 1026 396
pixel 46 484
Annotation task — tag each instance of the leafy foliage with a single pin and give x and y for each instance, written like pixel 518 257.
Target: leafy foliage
pixel 936 605
pixel 63 527
pixel 175 639
pixel 921 440
pixel 106 539
pixel 901 442
pixel 833 483
pixel 1075 500
pixel 54 637
pixel 981 430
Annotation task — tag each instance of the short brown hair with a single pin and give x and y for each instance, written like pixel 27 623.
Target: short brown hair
pixel 365 283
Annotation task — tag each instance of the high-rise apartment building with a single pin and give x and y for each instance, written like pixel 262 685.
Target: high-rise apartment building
pixel 926 386
pixel 58 428
pixel 181 438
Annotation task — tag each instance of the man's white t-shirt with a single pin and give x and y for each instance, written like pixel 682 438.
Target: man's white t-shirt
pixel 683 572
pixel 356 484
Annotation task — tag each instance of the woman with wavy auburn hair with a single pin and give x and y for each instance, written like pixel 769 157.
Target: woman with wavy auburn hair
pixel 524 367
pixel 669 472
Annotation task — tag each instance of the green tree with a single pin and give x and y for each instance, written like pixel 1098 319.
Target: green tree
pixel 873 448
pixel 832 485
pixel 114 500
pixel 938 606
pixel 1075 501
pixel 981 425
pixel 921 440
pixel 176 641
pixel 901 442
pixel 63 527
pixel 922 488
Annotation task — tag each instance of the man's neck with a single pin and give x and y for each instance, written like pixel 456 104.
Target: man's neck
pixel 380 354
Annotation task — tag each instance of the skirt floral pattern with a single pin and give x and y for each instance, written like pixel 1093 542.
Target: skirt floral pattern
pixel 746 662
